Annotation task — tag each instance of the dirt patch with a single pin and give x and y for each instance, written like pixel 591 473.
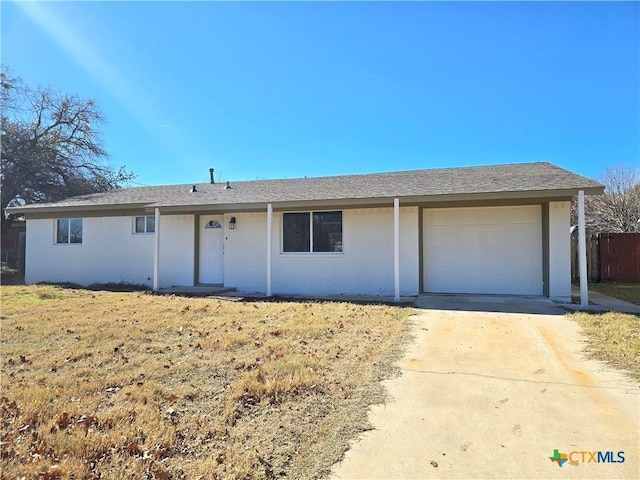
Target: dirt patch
pixel 131 385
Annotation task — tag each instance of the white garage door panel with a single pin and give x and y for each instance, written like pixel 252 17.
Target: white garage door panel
pixel 483 250
pixel 494 237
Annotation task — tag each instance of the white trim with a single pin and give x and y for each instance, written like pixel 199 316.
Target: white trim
pixel 582 252
pixel 269 247
pixel 68 243
pixel 312 254
pixel 156 253
pixel 396 248
pixel 133 226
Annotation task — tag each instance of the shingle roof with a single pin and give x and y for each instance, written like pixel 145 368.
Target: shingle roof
pixel 494 179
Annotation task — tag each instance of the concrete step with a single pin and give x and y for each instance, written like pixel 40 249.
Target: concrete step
pixel 197 290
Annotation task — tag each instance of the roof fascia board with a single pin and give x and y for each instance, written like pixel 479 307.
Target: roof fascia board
pixel 500 198
pixel 34 207
pixel 529 194
pixel 492 203
pixel 262 206
pixel 35 211
pixel 114 212
pixel 404 202
pixel 376 201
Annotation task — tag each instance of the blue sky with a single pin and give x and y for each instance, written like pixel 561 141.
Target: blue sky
pixel 289 89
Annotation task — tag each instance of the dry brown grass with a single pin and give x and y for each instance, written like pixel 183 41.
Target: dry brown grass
pixel 133 385
pixel 614 338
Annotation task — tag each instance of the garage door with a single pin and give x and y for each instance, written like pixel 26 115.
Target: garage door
pixel 483 250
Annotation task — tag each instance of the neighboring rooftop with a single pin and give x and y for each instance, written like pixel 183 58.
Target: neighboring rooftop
pixel 540 177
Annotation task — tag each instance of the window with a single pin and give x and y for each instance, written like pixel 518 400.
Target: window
pixel 312 232
pixel 213 224
pixel 69 231
pixel 296 234
pixel 145 224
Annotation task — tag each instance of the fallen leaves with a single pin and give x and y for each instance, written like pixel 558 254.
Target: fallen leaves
pixel 30 423
pixel 63 421
pixel 86 421
pixel 160 396
pixel 133 449
pixel 160 474
pixel 54 473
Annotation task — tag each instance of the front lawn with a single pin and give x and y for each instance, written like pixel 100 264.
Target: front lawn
pixel 624 291
pixel 614 338
pixel 131 385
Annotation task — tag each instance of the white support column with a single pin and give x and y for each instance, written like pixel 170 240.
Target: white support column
pixel 269 239
pixel 582 252
pixel 156 253
pixel 396 248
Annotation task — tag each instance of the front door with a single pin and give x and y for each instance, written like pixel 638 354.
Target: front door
pixel 211 263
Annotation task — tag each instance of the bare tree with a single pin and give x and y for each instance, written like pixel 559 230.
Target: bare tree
pixel 51 146
pixel 618 209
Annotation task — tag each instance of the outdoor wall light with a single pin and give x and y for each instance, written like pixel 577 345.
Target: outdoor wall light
pixel 232 223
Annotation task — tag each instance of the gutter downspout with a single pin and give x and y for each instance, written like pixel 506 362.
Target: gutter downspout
pixel 156 253
pixel 582 252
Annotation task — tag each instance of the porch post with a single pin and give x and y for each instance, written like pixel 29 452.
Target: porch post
pixel 582 252
pixel 269 230
pixel 156 253
pixel 396 248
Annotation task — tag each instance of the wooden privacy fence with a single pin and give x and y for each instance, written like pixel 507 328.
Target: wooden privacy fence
pixel 620 257
pixel 610 256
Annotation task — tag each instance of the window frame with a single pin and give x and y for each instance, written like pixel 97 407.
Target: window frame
pixel 69 242
pixel 146 224
pixel 311 251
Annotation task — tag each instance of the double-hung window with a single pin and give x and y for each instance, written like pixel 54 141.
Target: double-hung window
pixel 68 231
pixel 144 225
pixel 312 232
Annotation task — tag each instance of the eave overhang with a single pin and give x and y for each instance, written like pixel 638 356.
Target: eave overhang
pixel 461 199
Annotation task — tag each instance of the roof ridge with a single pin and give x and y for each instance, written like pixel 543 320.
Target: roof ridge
pixel 350 175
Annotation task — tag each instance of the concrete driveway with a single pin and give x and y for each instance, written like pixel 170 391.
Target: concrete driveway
pixel 490 388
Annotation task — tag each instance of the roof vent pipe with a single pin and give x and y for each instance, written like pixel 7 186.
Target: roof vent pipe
pixel 211 175
pixel 227 187
pixel 193 189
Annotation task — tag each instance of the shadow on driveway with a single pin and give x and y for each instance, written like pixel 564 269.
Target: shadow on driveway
pixel 488 303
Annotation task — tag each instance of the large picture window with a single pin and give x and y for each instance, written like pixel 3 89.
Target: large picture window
pixel 145 224
pixel 69 231
pixel 312 232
